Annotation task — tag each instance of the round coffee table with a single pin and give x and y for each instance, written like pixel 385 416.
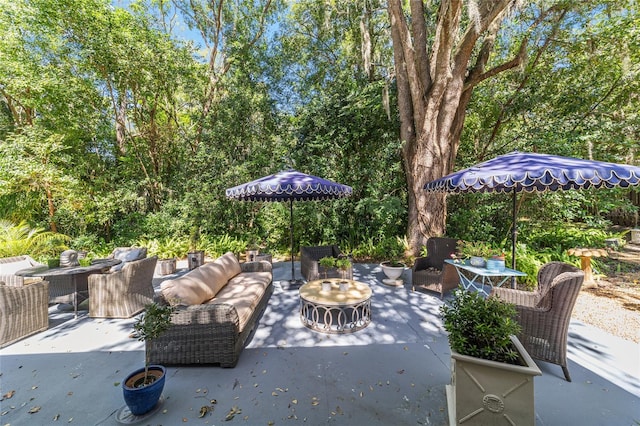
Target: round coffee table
pixel 335 311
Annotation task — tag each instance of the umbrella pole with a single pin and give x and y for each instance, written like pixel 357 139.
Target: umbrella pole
pixel 514 237
pixel 293 277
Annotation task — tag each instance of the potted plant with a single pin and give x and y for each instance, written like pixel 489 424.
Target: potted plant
pixel 496 262
pixel 143 387
pixel 491 372
pixel 326 263
pixel 393 269
pixel 343 265
pixel 195 257
pixel 167 250
pixel 475 251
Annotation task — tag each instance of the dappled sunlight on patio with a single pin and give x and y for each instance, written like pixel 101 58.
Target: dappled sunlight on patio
pixel 394 371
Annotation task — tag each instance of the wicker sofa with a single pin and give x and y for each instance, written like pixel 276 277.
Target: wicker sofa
pixel 23 311
pixel 217 305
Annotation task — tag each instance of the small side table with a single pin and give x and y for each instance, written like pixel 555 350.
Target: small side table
pixel 585 262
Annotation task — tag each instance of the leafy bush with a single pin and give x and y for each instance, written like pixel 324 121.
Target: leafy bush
pixel 217 246
pixel 481 327
pixel 165 248
pixel 17 240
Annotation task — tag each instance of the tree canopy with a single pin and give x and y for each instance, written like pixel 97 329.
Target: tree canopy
pixel 129 123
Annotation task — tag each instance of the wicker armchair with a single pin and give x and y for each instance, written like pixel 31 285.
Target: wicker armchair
pixel 430 272
pixel 309 257
pixel 544 314
pixel 124 293
pixel 23 311
pixel 10 265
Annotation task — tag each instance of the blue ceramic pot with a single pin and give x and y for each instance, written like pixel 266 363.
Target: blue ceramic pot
pixel 141 400
pixel 495 265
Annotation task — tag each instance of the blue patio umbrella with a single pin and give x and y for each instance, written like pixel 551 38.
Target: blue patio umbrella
pixel 289 185
pixel 531 172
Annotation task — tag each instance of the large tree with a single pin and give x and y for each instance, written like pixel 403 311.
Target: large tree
pixel 441 52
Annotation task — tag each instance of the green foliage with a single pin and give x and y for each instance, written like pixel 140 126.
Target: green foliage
pixel 476 248
pixel 377 250
pixel 20 239
pixel 165 248
pixel 219 245
pixel 155 320
pixel 114 128
pixel 327 262
pixel 480 327
pixel 343 263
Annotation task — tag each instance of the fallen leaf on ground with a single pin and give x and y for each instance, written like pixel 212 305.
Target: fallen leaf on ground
pixel 8 395
pixel 204 410
pixel 34 409
pixel 234 410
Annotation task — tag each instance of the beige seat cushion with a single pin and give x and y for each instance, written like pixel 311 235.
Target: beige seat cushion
pixel 244 292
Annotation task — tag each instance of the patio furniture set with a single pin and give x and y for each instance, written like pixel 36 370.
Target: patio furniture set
pixel 219 303
pixel 118 287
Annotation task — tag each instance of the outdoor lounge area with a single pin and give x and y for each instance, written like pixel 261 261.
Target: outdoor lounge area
pixel 392 372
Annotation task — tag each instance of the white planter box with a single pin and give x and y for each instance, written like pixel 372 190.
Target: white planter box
pixel 491 393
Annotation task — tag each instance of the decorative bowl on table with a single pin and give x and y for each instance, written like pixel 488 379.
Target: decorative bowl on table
pixel 477 261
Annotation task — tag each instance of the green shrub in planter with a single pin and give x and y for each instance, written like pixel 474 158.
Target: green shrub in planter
pixel 481 327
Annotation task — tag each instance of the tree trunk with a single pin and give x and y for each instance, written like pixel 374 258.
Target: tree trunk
pixel 434 89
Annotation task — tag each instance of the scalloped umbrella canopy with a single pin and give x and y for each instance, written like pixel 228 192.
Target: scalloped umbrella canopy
pixel 289 185
pixel 531 172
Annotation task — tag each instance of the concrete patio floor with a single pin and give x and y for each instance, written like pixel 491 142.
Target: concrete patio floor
pixel 393 372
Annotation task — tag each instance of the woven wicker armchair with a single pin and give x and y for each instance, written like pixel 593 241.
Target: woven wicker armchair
pixel 544 314
pixel 430 272
pixel 124 293
pixel 309 257
pixel 10 265
pixel 23 311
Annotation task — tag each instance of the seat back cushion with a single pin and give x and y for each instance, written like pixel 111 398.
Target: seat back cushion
pixel 13 267
pixel 230 265
pixel 195 287
pixel 128 254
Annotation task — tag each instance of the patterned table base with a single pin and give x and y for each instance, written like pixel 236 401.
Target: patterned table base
pixel 335 319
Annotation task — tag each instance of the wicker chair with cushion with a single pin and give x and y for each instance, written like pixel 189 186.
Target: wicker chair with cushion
pixel 124 293
pixel 430 272
pixel 309 257
pixel 544 314
pixel 10 265
pixel 23 311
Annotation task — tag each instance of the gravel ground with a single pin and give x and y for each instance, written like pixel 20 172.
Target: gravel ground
pixel 608 314
pixel 614 305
